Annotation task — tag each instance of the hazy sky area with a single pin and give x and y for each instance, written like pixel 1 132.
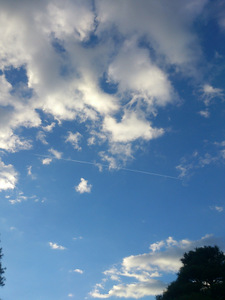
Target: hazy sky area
pixel 112 144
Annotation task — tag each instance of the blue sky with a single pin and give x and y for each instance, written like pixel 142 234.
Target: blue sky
pixel 112 144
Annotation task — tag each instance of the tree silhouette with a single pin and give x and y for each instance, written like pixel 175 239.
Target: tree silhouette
pixel 2 270
pixel 202 276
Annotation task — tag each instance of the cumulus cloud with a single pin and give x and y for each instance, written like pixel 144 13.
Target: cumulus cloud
pixel 169 34
pixel 46 161
pixel 49 127
pixel 55 246
pixel 48 40
pixel 163 259
pixel 81 96
pixel 133 70
pixel 83 186
pixel 74 139
pixel 8 176
pixel 130 128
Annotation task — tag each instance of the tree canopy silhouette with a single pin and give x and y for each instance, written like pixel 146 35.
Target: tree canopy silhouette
pixel 202 276
pixel 2 270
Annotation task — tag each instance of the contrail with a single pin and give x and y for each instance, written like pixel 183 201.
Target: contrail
pixel 106 166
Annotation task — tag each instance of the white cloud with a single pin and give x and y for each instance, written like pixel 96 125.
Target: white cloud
pixel 12 142
pixel 197 161
pixel 133 290
pixel 18 198
pixel 55 246
pixel 135 73
pixel 209 93
pixel 74 20
pixel 130 128
pixel 157 246
pixel 217 208
pixel 83 186
pixel 78 271
pixel 49 127
pixel 8 176
pixel 57 154
pixel 77 238
pixel 41 136
pixel 169 34
pixel 64 77
pixel 74 139
pixel 70 295
pixel 29 172
pixel 46 161
pixel 204 113
pixel 163 259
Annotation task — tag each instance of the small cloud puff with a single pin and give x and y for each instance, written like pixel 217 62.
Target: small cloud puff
pixel 46 161
pixel 70 295
pixel 83 186
pixel 78 271
pixel 217 208
pixel 55 246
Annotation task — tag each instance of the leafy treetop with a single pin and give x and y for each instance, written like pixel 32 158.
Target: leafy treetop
pixel 202 276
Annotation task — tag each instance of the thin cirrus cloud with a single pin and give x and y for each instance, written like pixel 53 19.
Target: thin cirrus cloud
pixel 147 270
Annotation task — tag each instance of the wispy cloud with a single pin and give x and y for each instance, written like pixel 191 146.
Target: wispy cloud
pixel 210 93
pixel 217 208
pixel 41 136
pixel 8 176
pixel 29 172
pixel 83 186
pixel 77 238
pixel 55 153
pixel 18 199
pixel 215 154
pixel 74 139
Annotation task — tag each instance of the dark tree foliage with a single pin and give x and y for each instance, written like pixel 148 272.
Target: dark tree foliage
pixel 202 276
pixel 2 270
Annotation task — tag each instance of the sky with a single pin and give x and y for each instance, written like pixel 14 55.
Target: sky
pixel 112 144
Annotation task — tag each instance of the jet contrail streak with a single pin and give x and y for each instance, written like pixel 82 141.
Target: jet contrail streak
pixel 106 166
